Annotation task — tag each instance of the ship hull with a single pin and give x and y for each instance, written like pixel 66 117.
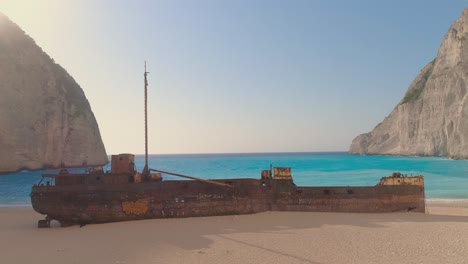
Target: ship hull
pixel 75 204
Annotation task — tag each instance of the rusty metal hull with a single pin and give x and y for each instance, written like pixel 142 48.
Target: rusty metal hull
pixel 99 203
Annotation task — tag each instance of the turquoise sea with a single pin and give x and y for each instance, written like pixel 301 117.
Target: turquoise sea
pixel 445 179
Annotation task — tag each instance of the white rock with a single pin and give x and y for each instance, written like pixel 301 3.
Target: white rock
pixel 45 118
pixel 432 117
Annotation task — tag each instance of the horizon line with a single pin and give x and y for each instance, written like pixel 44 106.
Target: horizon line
pixel 221 153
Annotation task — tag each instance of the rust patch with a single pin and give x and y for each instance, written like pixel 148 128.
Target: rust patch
pixel 70 203
pixel 135 208
pixel 282 174
pixel 92 209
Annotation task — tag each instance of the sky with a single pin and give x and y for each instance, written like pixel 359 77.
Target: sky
pixel 238 76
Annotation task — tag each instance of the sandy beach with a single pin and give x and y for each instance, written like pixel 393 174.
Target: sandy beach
pixel 272 237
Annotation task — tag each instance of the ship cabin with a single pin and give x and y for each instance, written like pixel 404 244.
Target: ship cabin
pixel 402 179
pixel 122 172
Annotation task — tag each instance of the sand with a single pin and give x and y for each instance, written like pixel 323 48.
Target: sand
pixel 271 237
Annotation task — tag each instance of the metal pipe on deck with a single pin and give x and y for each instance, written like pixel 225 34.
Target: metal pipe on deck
pixel 194 178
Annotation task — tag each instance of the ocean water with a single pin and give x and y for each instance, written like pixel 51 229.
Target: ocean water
pixel 444 178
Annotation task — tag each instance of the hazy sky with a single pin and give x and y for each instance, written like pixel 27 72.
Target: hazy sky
pixel 238 76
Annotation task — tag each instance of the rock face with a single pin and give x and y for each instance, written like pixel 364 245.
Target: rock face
pixel 45 119
pixel 432 117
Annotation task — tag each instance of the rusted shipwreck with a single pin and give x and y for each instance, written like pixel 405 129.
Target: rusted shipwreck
pixel 124 194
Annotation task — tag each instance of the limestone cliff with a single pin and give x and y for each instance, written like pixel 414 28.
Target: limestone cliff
pixel 432 117
pixel 45 119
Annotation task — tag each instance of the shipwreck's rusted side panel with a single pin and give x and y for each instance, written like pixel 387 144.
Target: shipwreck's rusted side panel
pixel 352 199
pixel 165 199
pixel 101 203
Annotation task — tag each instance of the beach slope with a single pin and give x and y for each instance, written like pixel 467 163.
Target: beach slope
pixel 272 237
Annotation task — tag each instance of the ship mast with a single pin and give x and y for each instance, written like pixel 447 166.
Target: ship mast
pixel 145 170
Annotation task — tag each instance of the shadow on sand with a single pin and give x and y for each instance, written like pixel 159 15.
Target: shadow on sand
pixel 194 233
pixel 198 233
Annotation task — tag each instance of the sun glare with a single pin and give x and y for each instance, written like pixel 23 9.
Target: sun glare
pixel 26 12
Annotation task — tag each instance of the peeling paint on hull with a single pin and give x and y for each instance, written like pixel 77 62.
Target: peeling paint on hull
pixel 98 203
